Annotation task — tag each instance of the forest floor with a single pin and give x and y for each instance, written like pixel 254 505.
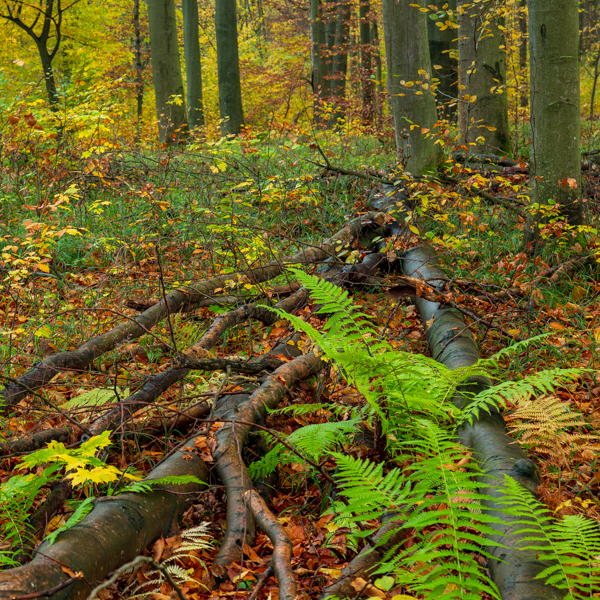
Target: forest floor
pixel 88 243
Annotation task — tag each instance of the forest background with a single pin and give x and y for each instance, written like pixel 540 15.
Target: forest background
pixel 138 248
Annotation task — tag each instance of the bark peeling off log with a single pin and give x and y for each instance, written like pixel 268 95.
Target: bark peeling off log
pixel 451 343
pixel 282 545
pixel 231 438
pixel 175 301
pixel 113 533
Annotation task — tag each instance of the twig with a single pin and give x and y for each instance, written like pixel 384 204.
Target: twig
pixel 164 295
pixel 261 582
pixel 50 592
pixel 131 565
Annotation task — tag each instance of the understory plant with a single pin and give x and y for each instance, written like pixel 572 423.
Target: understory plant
pixel 429 484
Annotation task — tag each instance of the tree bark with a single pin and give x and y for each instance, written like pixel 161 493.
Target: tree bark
pixel 166 71
pixel 228 68
pixel 413 108
pixel 339 63
pixel 193 63
pixel 366 62
pixel 483 104
pixel 139 68
pixel 441 45
pixel 113 533
pixel 555 106
pixel 451 343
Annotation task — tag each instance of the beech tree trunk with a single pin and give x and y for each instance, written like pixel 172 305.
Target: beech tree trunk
pixel 441 45
pixel 555 106
pixel 317 39
pixel 193 63
pixel 139 68
pixel 413 108
pixel 228 68
pixel 366 62
pixel 339 62
pixel 483 104
pixel 166 70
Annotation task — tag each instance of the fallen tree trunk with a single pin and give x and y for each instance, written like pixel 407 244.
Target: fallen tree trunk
pixel 451 343
pixel 175 301
pixel 113 533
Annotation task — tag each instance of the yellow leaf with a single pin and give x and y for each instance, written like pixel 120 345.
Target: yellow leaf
pixel 43 331
pixel 597 335
pixel 435 67
pixel 557 326
pixel 578 293
pixel 333 572
pixel 414 229
pixel 43 267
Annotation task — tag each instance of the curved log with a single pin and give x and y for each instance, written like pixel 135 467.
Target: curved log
pixel 231 439
pixel 451 343
pixel 175 301
pixel 282 545
pixel 113 533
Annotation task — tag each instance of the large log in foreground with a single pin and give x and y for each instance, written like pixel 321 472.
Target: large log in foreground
pixel 451 343
pixel 179 299
pixel 113 533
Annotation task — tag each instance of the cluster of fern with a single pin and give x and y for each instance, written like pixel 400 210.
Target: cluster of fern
pixel 430 483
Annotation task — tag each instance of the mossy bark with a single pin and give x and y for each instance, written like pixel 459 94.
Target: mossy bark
pixel 166 70
pixel 555 106
pixel 483 103
pixel 413 106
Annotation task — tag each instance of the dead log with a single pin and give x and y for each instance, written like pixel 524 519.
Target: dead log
pixel 113 533
pixel 450 343
pixel 231 439
pixel 282 545
pixel 366 562
pixel 175 301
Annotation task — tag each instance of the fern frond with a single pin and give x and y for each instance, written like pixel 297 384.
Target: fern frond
pixel 492 361
pixel 542 382
pixel 572 544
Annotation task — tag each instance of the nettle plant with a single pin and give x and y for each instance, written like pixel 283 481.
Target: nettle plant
pixel 430 479
pixel 83 469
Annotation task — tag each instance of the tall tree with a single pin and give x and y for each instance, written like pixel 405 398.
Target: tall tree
pixel 366 56
pixel 555 105
pixel 317 39
pixel 442 42
pixel 166 70
pixel 193 63
pixel 339 63
pixel 409 79
pixel 42 21
pixel 483 104
pixel 228 68
pixel 138 64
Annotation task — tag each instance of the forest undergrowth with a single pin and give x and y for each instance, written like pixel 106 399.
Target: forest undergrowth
pixel 90 240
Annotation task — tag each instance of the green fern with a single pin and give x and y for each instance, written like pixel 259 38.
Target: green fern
pixel 542 382
pixel 571 544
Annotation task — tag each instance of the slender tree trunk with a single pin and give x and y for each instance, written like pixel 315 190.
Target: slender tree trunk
pixel 166 70
pixel 524 33
pixel 317 38
pixel 441 44
pixel 483 104
pixel 378 73
pixel 413 107
pixel 49 80
pixel 339 68
pixel 594 85
pixel 139 68
pixel 228 67
pixel 555 105
pixel 366 55
pixel 193 63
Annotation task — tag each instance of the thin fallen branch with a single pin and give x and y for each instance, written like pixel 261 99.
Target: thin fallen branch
pixel 140 560
pixel 282 545
pixel 514 571
pixel 365 563
pixel 230 441
pixel 175 301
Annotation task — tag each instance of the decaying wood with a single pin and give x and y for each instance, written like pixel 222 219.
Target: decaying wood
pixel 113 533
pixel 230 441
pixel 514 571
pixel 173 302
pixel 282 545
pixel 365 563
